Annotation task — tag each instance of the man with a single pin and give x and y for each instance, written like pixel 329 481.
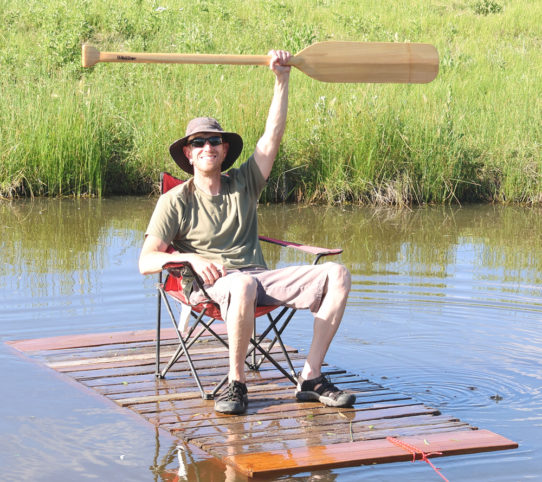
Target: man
pixel 211 221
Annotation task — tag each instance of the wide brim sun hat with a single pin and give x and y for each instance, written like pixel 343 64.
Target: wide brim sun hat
pixel 201 125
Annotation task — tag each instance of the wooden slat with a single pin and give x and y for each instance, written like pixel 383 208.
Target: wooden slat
pixel 275 403
pixel 137 358
pixel 134 357
pixel 367 452
pixel 319 439
pixel 176 373
pixel 279 410
pixel 156 385
pixel 254 392
pixel 218 352
pixel 322 439
pixel 303 427
pixel 69 354
pixel 97 339
pixel 176 378
pixel 204 364
pixel 298 426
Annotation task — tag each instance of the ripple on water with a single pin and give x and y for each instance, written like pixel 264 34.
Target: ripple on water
pixel 455 342
pixel 466 389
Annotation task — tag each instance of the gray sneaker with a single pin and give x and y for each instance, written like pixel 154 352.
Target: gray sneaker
pixel 320 389
pixel 233 400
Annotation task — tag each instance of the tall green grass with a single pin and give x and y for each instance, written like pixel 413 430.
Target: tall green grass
pixel 473 134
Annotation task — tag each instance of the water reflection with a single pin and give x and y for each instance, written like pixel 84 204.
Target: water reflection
pixel 445 307
pixel 425 241
pixel 42 237
pixel 48 236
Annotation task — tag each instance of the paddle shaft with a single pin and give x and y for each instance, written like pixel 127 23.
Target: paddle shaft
pixel 173 58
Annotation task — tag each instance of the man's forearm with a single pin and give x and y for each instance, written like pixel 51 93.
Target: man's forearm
pixel 268 145
pixel 152 262
pixel 278 111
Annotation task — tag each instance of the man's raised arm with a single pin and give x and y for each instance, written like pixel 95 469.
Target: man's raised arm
pixel 268 145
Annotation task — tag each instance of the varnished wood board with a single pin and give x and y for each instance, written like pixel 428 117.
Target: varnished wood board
pixel 366 452
pixel 96 339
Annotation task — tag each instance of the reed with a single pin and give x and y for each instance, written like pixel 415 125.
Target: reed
pixel 474 134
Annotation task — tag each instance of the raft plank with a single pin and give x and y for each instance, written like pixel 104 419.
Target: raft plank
pixel 290 428
pixel 174 374
pixel 135 360
pixel 146 385
pixel 143 390
pixel 112 386
pixel 222 451
pixel 292 409
pixel 254 393
pixel 89 373
pixel 367 452
pixel 97 339
pixel 299 426
pixel 249 445
pixel 134 357
pixel 274 404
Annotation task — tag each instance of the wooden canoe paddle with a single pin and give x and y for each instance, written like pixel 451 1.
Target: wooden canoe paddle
pixel 326 61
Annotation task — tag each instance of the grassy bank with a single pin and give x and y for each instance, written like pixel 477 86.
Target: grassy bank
pixel 472 134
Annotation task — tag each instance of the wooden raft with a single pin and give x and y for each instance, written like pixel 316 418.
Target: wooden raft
pixel 277 434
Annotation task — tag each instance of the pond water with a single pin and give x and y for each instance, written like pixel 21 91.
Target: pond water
pixel 446 307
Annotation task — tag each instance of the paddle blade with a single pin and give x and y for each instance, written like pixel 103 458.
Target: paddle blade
pixel 369 62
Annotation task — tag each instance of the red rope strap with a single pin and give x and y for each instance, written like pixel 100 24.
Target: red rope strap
pixel 415 451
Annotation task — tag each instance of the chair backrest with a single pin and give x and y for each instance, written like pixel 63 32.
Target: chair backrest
pixel 167 182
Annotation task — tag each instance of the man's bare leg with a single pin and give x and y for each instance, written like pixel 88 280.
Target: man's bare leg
pixel 327 320
pixel 240 323
pixel 312 386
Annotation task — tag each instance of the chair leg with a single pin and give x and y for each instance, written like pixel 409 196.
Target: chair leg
pixel 278 337
pixel 252 366
pixel 183 347
pixel 260 338
pixel 257 346
pixel 180 350
pixel 219 386
pixel 158 335
pixel 273 322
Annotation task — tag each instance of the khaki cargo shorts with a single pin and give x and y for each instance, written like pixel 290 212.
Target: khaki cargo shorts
pixel 300 287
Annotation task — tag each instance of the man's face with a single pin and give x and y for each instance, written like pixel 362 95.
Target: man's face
pixel 206 151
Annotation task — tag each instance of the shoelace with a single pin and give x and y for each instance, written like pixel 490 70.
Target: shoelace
pixel 235 392
pixel 327 387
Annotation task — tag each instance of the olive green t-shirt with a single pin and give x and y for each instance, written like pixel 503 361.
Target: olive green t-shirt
pixel 222 228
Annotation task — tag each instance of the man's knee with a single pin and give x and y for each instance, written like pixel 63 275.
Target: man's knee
pixel 339 277
pixel 243 288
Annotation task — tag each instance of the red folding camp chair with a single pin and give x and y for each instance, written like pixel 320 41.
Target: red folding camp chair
pixel 205 314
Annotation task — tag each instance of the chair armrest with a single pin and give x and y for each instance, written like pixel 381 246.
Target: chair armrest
pixel 318 252
pixel 172 265
pixel 176 269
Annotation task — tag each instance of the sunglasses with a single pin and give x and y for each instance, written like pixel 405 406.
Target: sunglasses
pixel 200 141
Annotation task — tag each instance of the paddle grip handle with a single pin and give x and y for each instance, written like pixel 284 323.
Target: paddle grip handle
pixel 92 56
